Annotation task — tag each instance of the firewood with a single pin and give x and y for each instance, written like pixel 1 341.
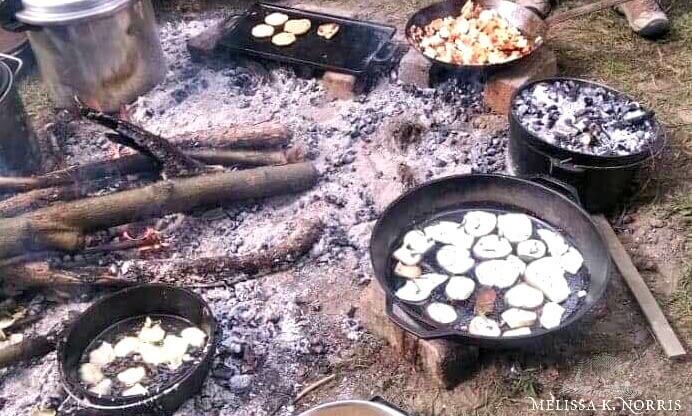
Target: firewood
pixel 137 164
pixel 171 161
pixel 62 225
pixel 224 270
pixel 26 350
pixel 40 275
pixel 259 136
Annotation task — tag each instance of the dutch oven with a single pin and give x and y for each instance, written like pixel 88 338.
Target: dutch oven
pixel 601 181
pixel 543 198
pixel 139 301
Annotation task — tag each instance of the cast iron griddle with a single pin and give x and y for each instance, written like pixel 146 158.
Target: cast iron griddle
pixel 357 45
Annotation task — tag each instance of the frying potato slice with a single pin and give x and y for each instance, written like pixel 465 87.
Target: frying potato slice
pixel 328 30
pixel 283 39
pixel 297 26
pixel 262 31
pixel 276 19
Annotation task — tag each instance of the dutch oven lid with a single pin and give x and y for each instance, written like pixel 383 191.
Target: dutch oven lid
pixel 51 12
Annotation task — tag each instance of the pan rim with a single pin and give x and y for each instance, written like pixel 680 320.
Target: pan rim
pixel 497 341
pixel 85 398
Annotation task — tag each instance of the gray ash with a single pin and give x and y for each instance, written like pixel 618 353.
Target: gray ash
pixel 585 118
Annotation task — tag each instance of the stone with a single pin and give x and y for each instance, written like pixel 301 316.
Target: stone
pixel 414 69
pixel 447 363
pixel 502 84
pixel 204 44
pixel 339 86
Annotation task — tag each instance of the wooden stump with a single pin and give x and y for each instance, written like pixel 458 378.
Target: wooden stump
pixel 502 84
pixel 447 363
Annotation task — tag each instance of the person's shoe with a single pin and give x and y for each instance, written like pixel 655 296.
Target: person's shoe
pixel 645 17
pixel 541 7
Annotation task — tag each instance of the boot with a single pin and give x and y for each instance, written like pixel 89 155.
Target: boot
pixel 541 7
pixel 645 17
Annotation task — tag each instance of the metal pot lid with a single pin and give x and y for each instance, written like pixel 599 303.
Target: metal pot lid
pixel 56 12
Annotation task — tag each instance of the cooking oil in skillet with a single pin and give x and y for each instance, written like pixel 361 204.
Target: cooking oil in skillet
pixel 578 283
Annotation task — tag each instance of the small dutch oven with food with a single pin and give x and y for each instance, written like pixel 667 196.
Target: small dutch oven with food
pixel 492 260
pixel 143 350
pixel 583 133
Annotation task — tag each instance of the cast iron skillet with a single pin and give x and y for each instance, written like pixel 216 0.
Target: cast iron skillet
pixel 535 197
pixel 526 20
pixel 128 303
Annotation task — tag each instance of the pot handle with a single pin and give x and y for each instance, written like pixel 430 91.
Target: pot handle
pixel 16 60
pixel 557 185
pixel 408 324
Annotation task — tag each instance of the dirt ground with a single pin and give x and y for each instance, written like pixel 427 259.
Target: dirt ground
pixel 616 355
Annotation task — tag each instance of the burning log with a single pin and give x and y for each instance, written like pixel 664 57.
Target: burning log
pixel 39 275
pixel 259 136
pixel 172 162
pixel 297 244
pixel 62 225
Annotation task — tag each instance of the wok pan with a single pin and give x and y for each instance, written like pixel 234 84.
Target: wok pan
pixel 527 21
pixel 536 197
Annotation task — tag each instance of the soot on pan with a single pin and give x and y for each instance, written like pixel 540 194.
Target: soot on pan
pixel 585 118
pixel 490 273
pixel 139 356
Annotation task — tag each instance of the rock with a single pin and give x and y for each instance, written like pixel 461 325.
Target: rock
pixel 500 87
pixel 414 69
pixel 240 383
pixel 339 86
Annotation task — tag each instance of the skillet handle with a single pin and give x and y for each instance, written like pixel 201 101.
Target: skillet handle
pixel 407 323
pixel 557 185
pixel 385 53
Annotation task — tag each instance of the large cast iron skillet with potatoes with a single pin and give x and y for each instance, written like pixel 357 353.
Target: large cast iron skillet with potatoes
pixel 538 198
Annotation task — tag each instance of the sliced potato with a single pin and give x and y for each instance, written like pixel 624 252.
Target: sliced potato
pixel 441 312
pixel 283 39
pixel 262 31
pixel 327 30
pixel 297 26
pixel 276 19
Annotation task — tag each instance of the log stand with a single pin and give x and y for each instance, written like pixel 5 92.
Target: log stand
pixel 447 363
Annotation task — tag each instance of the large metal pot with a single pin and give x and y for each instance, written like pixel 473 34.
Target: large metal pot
pixel 17 146
pixel 106 52
pixel 353 408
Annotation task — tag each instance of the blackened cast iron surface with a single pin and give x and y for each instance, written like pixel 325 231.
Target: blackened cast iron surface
pixel 600 180
pixel 490 192
pixel 528 22
pixel 138 301
pixel 353 50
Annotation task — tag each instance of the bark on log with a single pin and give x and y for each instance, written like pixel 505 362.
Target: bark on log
pixel 172 162
pixel 137 164
pixel 229 270
pixel 29 348
pixel 39 275
pixel 258 136
pixel 61 226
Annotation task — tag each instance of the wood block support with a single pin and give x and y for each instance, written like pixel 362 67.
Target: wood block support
pixel 446 363
pixel 340 86
pixel 503 83
pixel 414 69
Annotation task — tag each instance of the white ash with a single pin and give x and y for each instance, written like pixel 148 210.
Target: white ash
pixel 271 339
pixel 585 118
